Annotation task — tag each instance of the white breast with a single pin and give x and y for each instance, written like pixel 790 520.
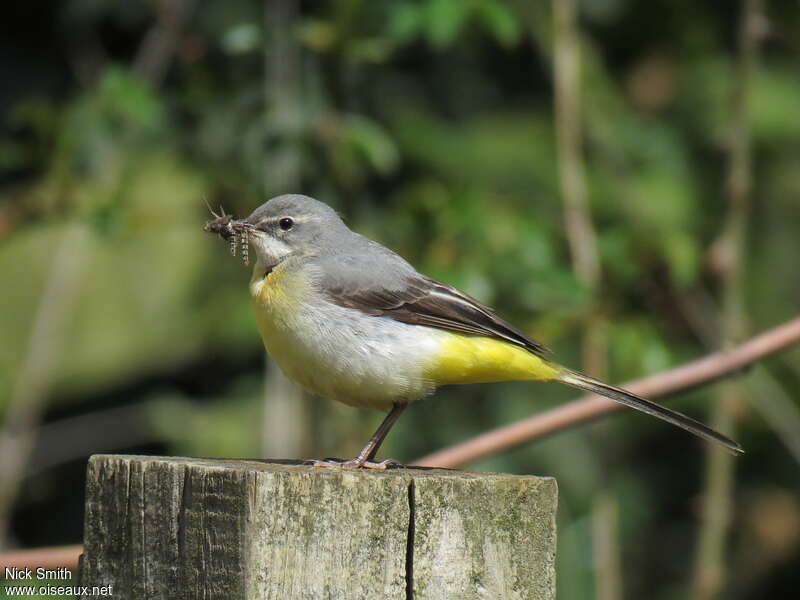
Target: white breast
pixel 344 354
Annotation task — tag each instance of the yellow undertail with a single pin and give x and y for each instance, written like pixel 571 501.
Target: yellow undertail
pixel 478 359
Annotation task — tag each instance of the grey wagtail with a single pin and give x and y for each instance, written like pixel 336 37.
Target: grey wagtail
pixel 350 320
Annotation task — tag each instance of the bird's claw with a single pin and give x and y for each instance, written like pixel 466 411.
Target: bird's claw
pixel 354 463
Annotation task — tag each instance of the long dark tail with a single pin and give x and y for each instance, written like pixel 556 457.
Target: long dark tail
pixel 584 382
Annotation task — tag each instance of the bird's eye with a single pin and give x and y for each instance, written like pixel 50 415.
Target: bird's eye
pixel 286 223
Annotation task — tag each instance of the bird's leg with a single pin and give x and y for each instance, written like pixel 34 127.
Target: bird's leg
pixel 368 452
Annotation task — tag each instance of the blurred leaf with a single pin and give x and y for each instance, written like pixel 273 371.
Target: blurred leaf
pixel 12 155
pixel 122 95
pixel 318 34
pixel 683 257
pixel 374 142
pixel 227 427
pixel 775 98
pixel 444 19
pixel 370 50
pixel 405 21
pixel 242 39
pixel 500 21
pixel 637 348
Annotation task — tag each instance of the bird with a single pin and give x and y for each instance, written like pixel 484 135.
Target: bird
pixel 350 320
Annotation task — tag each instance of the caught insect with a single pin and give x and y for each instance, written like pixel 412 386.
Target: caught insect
pixel 244 239
pixel 221 224
pixel 235 235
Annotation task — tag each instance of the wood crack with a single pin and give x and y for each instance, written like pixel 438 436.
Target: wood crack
pixel 410 541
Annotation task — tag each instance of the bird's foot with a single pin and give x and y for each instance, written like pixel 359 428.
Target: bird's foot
pixel 354 463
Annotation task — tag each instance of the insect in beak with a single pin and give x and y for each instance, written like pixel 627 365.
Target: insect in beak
pixel 236 232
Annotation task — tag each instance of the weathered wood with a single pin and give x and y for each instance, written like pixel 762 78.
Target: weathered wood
pixel 193 528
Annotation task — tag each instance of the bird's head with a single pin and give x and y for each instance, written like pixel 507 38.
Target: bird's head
pixel 284 226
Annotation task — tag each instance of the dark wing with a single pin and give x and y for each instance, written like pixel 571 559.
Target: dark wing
pixel 421 300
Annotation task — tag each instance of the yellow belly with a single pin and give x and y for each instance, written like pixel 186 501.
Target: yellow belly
pixel 478 359
pixel 276 298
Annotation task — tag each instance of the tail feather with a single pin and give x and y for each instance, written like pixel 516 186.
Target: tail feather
pixel 595 386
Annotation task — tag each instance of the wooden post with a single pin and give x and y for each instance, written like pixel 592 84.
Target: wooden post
pixel 194 528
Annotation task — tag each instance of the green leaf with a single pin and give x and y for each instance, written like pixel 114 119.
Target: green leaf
pixel 374 142
pixel 683 257
pixel 405 21
pixel 122 93
pixel 499 19
pixel 444 19
pixel 775 102
pixel 318 34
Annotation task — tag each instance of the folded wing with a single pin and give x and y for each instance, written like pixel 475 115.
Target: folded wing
pixel 420 300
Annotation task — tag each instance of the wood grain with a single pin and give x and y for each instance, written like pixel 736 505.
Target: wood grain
pixel 196 528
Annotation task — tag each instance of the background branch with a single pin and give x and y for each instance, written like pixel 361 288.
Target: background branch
pixel 51 557
pixel 586 408
pixel 774 404
pixel 286 415
pixel 717 511
pixel 62 286
pixel 572 178
pixel 161 41
pixel 582 240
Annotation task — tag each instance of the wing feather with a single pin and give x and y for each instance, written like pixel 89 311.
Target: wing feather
pixel 421 300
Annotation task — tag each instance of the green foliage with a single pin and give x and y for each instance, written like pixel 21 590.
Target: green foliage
pixel 440 22
pixel 229 427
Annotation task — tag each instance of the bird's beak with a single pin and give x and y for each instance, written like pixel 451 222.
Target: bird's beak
pixel 234 231
pixel 228 227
